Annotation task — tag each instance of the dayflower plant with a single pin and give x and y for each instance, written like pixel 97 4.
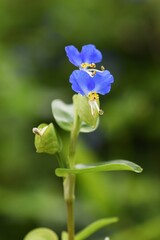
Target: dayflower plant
pixel 81 116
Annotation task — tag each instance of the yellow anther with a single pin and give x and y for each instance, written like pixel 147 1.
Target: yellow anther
pixel 91 65
pixel 93 73
pixel 93 96
pixel 85 65
pixel 94 103
pixel 102 68
pixel 101 112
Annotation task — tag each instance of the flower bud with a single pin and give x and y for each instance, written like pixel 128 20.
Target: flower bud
pixel 46 139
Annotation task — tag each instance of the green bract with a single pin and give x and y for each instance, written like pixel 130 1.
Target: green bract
pixel 84 110
pixel 46 139
pixel 64 114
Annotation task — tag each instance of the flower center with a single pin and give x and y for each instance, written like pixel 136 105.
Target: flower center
pixel 93 96
pixel 90 68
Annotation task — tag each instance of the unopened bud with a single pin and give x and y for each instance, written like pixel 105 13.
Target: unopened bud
pixel 46 139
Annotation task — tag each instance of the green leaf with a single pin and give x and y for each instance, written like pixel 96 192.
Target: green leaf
pixel 84 110
pixel 116 165
pixel 64 115
pixel 64 235
pixel 93 227
pixel 41 234
pixel 46 139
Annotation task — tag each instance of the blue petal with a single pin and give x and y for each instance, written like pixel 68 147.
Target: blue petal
pixel 103 82
pixel 73 55
pixel 81 82
pixel 90 54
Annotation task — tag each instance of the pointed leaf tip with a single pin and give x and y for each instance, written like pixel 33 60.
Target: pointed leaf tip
pixel 95 226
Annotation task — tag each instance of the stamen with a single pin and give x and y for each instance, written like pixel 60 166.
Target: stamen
pixel 93 96
pixel 93 65
pixel 93 73
pixel 101 112
pixel 90 68
pixel 86 65
pixel 102 68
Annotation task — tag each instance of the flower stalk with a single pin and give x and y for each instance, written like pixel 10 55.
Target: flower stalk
pixel 73 141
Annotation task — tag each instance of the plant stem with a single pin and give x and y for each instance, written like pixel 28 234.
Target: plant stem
pixel 69 186
pixel 73 141
pixel 62 163
pixel 69 181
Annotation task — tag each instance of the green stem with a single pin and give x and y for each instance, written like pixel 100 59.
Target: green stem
pixel 73 141
pixel 69 187
pixel 69 181
pixel 60 160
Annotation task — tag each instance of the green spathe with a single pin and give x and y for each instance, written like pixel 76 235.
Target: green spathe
pixel 64 114
pixel 48 141
pixel 83 109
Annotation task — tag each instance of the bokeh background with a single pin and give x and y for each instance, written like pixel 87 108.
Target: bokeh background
pixel 34 70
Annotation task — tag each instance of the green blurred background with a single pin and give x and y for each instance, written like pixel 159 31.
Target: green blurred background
pixel 34 70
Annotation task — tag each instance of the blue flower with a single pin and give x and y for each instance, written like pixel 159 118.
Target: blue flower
pixel 91 85
pixel 88 55
pixel 83 83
